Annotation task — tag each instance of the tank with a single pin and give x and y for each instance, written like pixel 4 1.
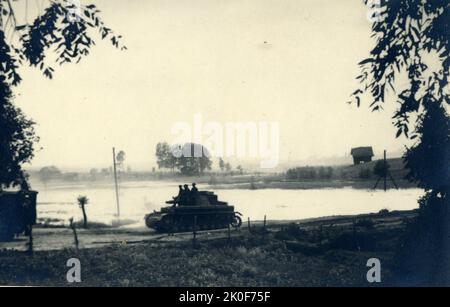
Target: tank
pixel 205 212
pixel 17 213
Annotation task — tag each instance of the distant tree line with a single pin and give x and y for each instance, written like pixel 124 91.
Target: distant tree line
pixel 189 158
pixel 309 172
pixel 379 169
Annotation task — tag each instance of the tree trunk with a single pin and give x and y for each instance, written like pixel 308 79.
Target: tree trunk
pixel 84 217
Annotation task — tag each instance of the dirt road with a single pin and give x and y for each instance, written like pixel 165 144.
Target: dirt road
pixel 47 239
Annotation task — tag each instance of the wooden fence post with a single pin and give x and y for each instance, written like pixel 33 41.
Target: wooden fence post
pixel 30 240
pixel 75 236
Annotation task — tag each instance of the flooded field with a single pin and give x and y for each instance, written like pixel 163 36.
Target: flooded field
pixel 58 203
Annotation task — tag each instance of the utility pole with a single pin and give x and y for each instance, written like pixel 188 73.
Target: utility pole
pixel 115 181
pixel 385 170
pixel 385 174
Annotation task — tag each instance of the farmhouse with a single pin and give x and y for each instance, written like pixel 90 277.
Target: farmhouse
pixel 362 154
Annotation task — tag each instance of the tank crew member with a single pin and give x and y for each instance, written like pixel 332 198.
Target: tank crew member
pixel 194 188
pixel 177 199
pixel 194 194
pixel 186 196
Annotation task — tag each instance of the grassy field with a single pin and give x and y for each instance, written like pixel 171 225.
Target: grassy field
pixel 318 252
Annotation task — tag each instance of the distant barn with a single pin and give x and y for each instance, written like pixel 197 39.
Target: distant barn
pixel 362 154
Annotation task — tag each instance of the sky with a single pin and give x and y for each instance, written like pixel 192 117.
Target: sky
pixel 292 62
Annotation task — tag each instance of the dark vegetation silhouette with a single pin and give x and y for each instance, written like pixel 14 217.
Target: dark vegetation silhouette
pixel 82 202
pixel 17 138
pixel 413 39
pixel 57 30
pixel 309 172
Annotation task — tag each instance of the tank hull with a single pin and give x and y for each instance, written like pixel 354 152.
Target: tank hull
pixel 207 215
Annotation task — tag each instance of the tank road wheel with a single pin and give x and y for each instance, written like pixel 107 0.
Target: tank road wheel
pixel 237 221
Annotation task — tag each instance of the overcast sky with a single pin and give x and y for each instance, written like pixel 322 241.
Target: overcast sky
pixel 287 61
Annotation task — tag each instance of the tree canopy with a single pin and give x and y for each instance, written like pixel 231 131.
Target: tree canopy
pixel 413 41
pixel 62 29
pixel 55 30
pixel 17 139
pixel 189 158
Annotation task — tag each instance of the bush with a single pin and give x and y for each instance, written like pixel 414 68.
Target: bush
pixel 422 258
pixel 384 211
pixel 364 173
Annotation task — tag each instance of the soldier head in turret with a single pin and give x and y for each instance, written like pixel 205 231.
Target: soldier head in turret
pixel 194 188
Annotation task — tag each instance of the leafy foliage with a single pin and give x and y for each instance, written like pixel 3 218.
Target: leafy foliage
pixel 59 31
pixel 82 200
pixel 429 161
pixel 8 62
pixel 164 156
pixel 408 32
pixel 56 30
pixel 17 138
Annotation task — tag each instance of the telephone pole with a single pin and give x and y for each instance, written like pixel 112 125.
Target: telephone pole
pixel 115 181
pixel 385 174
pixel 385 170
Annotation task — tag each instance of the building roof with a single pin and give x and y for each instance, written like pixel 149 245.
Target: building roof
pixel 359 152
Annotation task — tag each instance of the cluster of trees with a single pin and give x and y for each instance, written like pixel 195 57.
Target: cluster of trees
pixel 17 136
pixel 226 167
pixel 309 172
pixel 189 158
